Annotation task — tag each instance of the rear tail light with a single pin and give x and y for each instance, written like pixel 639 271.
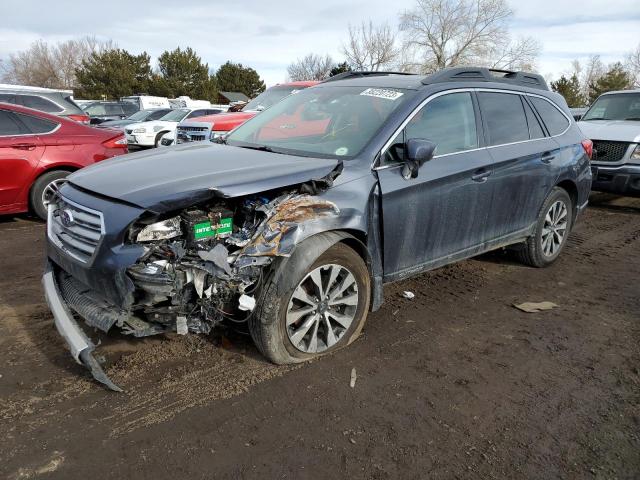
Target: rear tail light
pixel 80 118
pixel 588 147
pixel 116 142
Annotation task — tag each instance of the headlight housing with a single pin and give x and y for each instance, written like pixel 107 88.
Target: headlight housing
pixel 162 230
pixel 635 155
pixel 140 130
pixel 217 135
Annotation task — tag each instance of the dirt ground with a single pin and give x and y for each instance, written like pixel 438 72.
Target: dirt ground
pixel 455 383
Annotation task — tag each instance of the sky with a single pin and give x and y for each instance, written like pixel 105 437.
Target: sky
pixel 269 35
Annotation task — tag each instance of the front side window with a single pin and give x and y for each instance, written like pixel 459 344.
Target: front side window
pixel 448 121
pixel 504 117
pixel 197 113
pixel 113 109
pixel 9 124
pixel 329 121
pixel 39 103
pixel 555 121
pixel 615 106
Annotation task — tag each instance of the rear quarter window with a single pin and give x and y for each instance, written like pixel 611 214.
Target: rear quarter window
pixel 504 117
pixel 39 103
pixel 555 121
pixel 36 124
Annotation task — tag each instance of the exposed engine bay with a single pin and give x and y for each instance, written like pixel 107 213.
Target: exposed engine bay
pixel 207 263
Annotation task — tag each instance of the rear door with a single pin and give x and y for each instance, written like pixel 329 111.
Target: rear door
pixel 20 152
pixel 444 210
pixel 520 150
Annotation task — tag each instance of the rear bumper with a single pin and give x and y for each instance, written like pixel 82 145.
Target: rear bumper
pixel 622 180
pixel 80 346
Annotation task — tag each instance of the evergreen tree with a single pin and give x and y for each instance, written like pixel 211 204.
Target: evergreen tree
pixel 181 72
pixel 340 68
pixel 570 89
pixel 233 77
pixel 112 74
pixel 617 78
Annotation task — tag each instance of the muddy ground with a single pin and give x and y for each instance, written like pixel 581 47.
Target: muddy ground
pixel 455 383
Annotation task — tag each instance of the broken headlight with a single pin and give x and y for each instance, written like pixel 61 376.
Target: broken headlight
pixel 217 135
pixel 169 228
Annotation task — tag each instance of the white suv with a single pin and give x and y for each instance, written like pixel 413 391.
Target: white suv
pixel 149 134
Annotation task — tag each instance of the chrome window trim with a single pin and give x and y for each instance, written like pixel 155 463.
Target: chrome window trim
pixel 415 111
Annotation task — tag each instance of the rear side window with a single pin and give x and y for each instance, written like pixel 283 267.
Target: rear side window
pixel 7 98
pixel 555 121
pixel 9 124
pixel 197 113
pixel 37 125
pixel 535 130
pixel 504 117
pixel 39 103
pixel 112 109
pixel 96 110
pixel 448 121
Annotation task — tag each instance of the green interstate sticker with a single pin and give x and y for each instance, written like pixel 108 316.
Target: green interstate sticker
pixel 206 230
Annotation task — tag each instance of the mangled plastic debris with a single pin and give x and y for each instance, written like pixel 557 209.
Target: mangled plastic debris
pixel 409 295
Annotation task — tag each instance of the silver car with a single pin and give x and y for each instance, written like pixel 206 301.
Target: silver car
pixel 613 124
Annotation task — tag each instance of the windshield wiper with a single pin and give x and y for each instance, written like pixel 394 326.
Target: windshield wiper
pixel 262 148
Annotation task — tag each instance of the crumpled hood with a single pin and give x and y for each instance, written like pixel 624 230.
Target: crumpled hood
pixel 166 179
pixel 613 130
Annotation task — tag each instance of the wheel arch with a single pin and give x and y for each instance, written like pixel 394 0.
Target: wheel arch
pixel 571 188
pixel 48 169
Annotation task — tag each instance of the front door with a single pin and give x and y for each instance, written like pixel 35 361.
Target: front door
pixel 446 209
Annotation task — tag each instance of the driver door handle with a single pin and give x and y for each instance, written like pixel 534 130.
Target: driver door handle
pixel 24 146
pixel 481 175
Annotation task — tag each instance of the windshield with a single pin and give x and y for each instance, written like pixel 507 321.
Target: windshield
pixel 140 115
pixel 617 106
pixel 330 121
pixel 175 115
pixel 269 97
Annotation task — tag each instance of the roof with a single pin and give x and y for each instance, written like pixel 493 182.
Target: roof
pixel 235 96
pixel 26 88
pixel 622 91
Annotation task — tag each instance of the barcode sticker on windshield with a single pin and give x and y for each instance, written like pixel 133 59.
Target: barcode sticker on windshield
pixel 382 93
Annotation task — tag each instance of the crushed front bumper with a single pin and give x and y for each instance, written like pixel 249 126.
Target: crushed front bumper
pixel 622 180
pixel 79 344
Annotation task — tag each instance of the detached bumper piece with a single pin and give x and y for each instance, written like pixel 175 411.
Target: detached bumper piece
pixel 622 180
pixel 78 343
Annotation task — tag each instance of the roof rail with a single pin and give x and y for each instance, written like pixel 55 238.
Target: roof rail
pixel 481 74
pixel 359 74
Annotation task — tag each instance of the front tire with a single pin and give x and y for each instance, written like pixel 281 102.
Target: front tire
pixel 158 139
pixel 325 309
pixel 552 230
pixel 44 189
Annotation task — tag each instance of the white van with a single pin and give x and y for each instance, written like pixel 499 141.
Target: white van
pixel 147 102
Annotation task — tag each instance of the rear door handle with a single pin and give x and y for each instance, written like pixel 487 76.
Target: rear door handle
pixel 24 146
pixel 481 175
pixel 547 157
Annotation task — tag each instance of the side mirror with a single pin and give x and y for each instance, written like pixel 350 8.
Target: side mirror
pixel 418 151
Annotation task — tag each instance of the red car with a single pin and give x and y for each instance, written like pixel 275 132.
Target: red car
pixel 207 128
pixel 38 150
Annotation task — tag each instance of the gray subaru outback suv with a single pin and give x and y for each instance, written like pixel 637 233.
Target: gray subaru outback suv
pixel 296 220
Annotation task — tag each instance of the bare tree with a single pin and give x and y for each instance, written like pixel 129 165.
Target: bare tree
pixel 53 66
pixel 371 47
pixel 311 67
pixel 593 70
pixel 446 33
pixel 632 64
pixel 519 55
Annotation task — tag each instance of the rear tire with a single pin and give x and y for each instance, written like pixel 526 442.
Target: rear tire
pixel 43 189
pixel 554 224
pixel 284 333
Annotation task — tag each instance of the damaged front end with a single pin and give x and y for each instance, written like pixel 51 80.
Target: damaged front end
pixel 199 266
pixel 206 263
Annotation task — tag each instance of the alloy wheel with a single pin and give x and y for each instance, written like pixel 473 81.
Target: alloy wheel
pixel 322 308
pixel 554 228
pixel 51 190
